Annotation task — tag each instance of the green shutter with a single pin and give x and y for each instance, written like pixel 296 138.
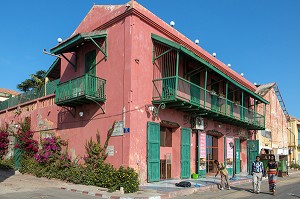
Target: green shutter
pixel 185 152
pixel 17 156
pixel 153 151
pixel 253 151
pixel 237 156
pixel 90 62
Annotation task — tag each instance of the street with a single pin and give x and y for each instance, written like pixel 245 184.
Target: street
pixel 47 193
pixel 287 188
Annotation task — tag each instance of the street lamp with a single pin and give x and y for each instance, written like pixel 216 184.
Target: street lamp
pixel 231 144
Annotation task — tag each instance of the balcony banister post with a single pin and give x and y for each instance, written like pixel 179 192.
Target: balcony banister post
pixel 176 79
pixel 205 87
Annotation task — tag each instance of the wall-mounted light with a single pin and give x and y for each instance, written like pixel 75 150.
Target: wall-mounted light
pixel 81 113
pixel 229 65
pixel 220 124
pixel 150 108
pixel 197 41
pixel 214 54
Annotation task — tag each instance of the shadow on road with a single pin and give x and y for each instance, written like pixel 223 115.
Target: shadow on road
pixel 248 190
pixel 6 173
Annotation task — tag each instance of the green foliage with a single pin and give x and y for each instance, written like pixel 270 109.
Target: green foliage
pixel 295 166
pixel 37 80
pixel 7 163
pixel 95 151
pixel 94 172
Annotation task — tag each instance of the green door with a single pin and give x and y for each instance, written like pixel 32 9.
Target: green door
pixel 237 156
pixel 185 152
pixel 195 89
pixel 90 62
pixel 252 151
pixel 17 156
pixel 153 151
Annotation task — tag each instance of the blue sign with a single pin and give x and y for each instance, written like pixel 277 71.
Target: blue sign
pixel 126 130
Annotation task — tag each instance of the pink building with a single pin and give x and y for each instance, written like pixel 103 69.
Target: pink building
pixel 274 139
pixel 178 108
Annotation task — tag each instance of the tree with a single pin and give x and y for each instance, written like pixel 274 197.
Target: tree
pixel 37 80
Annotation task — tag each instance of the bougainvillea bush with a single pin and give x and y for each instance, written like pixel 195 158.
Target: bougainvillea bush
pixel 52 161
pixel 26 143
pixel 50 150
pixel 4 141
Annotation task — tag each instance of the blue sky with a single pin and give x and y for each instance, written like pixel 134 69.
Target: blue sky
pixel 260 38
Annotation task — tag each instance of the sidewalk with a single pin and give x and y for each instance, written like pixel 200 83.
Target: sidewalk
pixel 14 182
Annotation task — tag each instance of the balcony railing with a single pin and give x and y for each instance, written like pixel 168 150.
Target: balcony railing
pixel 30 95
pixel 81 90
pixel 186 96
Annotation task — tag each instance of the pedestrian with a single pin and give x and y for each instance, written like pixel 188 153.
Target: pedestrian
pixel 221 168
pixel 272 168
pixel 257 173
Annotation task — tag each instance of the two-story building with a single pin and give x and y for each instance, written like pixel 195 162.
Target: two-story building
pixel 177 107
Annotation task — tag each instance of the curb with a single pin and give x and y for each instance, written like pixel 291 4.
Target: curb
pixel 105 195
pixel 182 192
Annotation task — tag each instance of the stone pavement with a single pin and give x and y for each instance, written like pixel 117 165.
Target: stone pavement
pixel 14 182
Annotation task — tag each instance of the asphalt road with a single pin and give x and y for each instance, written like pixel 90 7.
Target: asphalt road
pixel 287 188
pixel 47 193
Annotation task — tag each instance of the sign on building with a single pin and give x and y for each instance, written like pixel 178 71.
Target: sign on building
pixel 119 129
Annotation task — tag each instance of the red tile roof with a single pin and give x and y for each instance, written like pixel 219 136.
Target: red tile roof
pixel 7 91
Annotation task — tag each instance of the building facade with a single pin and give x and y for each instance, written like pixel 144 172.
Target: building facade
pixel 177 107
pixel 294 141
pixel 6 94
pixel 274 139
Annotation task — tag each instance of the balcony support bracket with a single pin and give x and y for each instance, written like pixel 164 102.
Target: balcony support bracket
pixel 100 106
pixel 67 108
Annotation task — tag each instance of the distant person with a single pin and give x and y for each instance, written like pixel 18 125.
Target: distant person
pixel 272 168
pixel 257 172
pixel 221 168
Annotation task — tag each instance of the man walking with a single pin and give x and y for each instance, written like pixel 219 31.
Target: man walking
pixel 257 172
pixel 224 174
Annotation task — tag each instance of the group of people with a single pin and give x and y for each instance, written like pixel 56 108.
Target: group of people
pixel 258 172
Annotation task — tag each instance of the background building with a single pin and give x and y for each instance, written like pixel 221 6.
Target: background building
pixel 294 140
pixel 6 93
pixel 274 139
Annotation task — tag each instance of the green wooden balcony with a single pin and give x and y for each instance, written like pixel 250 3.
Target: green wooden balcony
pixel 180 94
pixel 81 90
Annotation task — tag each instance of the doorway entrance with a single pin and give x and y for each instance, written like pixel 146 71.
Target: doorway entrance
pixel 211 153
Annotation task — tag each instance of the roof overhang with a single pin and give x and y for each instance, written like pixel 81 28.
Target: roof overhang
pixel 54 70
pixel 71 44
pixel 194 56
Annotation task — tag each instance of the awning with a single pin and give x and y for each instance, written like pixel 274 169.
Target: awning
pixel 54 70
pixel 74 42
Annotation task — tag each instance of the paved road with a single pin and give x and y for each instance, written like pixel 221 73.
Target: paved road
pixel 48 193
pixel 287 188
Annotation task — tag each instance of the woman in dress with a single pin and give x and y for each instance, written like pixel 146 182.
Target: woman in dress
pixel 272 173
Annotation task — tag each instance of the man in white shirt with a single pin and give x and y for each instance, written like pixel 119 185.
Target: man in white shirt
pixel 257 172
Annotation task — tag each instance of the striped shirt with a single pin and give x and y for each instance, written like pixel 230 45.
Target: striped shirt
pixel 257 167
